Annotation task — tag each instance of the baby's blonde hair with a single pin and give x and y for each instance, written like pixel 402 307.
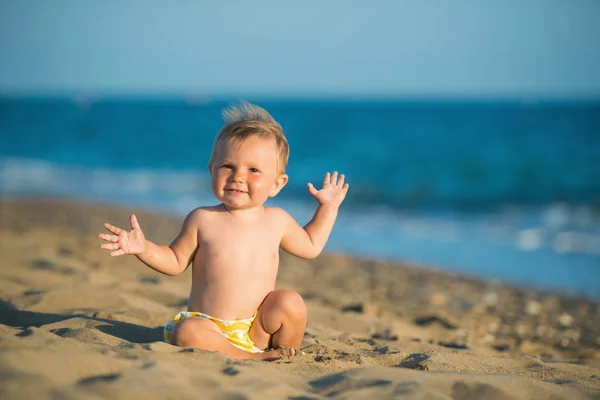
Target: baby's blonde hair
pixel 246 120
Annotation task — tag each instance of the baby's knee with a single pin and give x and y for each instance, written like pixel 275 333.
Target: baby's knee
pixel 292 304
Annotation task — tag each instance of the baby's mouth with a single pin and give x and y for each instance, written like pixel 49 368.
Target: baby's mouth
pixel 234 191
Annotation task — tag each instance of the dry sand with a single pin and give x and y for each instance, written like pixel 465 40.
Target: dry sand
pixel 76 323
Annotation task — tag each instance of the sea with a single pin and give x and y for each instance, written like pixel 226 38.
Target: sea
pixel 504 190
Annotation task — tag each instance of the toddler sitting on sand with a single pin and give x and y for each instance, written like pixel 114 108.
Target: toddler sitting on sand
pixel 233 247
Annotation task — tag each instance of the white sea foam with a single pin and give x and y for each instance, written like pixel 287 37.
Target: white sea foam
pixel 557 216
pixel 530 239
pixel 25 176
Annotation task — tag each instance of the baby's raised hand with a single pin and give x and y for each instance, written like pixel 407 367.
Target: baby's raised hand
pixel 123 242
pixel 333 192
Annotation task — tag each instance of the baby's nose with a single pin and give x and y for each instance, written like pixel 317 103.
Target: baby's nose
pixel 237 177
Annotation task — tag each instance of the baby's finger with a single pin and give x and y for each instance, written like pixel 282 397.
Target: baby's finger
pixel 134 222
pixel 113 229
pixel 327 179
pixel 108 238
pixel 334 177
pixel 345 188
pixel 110 246
pixel 119 252
pixel 340 182
pixel 311 189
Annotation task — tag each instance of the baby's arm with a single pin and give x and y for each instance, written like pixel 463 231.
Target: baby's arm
pixel 169 260
pixel 308 242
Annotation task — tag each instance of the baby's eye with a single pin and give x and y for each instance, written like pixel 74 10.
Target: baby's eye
pixel 254 170
pixel 228 166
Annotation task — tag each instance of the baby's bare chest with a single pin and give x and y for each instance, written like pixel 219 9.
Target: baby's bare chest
pixel 230 240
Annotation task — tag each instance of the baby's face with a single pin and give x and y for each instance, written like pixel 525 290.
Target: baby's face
pixel 244 175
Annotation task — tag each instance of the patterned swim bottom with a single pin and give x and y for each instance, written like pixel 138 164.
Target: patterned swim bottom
pixel 236 331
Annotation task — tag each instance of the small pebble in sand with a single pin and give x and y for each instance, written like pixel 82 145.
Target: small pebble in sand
pixel 571 334
pixel 493 326
pixel 523 329
pixel 491 298
pixel 565 320
pixel 489 338
pixel 533 307
pixel 540 330
pixel 462 333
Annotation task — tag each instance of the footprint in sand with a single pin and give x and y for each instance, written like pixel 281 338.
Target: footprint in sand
pixel 231 371
pixel 46 265
pixel 416 361
pixel 98 379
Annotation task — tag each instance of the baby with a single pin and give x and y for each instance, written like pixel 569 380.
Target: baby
pixel 233 247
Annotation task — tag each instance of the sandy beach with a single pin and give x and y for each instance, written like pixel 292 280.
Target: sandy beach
pixel 76 323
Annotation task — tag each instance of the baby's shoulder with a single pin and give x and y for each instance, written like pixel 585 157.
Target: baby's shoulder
pixel 278 214
pixel 203 214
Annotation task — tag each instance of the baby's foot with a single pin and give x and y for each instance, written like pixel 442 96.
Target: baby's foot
pixel 274 354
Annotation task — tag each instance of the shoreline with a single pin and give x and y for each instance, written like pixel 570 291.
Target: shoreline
pixel 368 320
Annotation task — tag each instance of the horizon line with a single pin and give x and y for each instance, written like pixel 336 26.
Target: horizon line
pixel 199 98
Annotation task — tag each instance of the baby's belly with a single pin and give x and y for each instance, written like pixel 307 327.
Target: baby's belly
pixel 227 300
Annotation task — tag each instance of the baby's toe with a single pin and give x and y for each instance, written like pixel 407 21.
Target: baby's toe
pixel 288 352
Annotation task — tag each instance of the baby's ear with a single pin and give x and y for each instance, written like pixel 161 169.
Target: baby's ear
pixel 278 185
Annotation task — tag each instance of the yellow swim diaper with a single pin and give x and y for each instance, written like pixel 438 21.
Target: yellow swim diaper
pixel 236 331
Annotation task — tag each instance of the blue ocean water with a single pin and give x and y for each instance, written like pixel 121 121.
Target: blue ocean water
pixel 503 190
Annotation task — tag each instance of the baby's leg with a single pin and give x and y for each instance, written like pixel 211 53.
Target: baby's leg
pixel 280 321
pixel 205 334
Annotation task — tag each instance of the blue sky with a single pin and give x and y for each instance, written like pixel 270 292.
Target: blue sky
pixel 543 48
